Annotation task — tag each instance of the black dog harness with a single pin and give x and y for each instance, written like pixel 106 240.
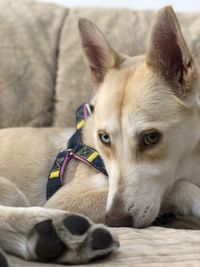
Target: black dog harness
pixel 75 150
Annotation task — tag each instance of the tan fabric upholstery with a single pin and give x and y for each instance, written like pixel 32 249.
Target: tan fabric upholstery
pixel 29 37
pixel 43 76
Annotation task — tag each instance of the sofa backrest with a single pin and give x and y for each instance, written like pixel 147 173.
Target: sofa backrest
pixel 43 76
pixel 29 38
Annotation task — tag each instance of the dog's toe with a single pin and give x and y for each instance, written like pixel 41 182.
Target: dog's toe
pixel 99 243
pixel 76 224
pixel 101 239
pixel 48 245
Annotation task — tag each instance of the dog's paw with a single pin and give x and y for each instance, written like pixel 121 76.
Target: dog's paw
pixel 71 239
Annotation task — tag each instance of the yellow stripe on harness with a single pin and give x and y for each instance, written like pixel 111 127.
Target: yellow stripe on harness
pixel 54 174
pixel 92 156
pixel 80 124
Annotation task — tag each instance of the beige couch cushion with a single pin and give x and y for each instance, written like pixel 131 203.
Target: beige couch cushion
pixel 29 36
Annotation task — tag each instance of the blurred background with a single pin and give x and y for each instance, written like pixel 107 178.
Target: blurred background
pixel 43 76
pixel 179 5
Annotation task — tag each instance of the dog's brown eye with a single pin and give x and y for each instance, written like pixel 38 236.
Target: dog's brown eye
pixel 151 138
pixel 104 138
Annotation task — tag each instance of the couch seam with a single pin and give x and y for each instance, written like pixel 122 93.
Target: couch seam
pixel 57 64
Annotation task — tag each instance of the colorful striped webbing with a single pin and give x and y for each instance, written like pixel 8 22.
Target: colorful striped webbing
pixel 75 150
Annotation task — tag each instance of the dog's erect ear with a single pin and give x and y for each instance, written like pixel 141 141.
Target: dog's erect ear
pixel 168 52
pixel 99 54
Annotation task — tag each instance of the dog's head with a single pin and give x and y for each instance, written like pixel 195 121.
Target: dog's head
pixel 144 109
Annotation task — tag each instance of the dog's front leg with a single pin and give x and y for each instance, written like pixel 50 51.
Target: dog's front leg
pixel 46 235
pixel 185 198
pixel 82 196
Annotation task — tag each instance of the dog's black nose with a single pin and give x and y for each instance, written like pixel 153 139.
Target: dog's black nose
pixel 118 219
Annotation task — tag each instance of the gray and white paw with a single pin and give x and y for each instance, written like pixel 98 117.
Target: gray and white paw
pixel 72 239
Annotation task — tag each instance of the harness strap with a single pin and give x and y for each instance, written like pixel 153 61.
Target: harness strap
pixel 89 156
pixel 75 150
pixel 55 177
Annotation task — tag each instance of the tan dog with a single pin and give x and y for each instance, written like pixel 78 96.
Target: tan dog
pixel 145 126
